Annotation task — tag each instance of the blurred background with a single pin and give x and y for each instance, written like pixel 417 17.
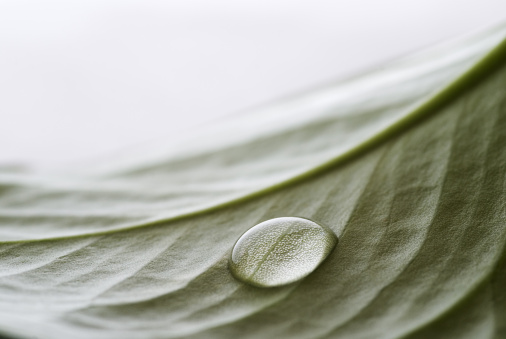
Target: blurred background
pixel 79 79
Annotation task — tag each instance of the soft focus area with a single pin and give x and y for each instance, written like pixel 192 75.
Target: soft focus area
pixel 80 79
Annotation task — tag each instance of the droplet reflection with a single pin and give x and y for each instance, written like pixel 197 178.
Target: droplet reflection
pixel 280 251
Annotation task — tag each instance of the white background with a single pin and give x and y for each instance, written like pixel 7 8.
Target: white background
pixel 82 78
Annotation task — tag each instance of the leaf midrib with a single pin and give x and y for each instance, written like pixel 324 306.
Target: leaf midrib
pixel 473 76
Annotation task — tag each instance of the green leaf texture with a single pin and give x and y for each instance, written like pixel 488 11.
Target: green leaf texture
pixel 406 164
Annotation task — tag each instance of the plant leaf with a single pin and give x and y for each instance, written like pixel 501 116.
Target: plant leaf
pixel 405 164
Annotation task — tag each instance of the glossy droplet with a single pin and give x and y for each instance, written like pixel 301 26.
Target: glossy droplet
pixel 280 251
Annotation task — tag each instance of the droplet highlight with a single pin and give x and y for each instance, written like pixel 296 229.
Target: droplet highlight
pixel 280 251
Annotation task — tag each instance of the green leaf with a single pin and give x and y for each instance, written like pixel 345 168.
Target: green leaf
pixel 407 165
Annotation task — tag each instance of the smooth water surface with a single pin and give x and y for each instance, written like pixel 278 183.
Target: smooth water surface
pixel 280 251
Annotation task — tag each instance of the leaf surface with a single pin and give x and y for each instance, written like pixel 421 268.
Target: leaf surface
pixel 405 164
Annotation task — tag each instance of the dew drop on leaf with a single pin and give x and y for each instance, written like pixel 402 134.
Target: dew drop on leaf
pixel 280 251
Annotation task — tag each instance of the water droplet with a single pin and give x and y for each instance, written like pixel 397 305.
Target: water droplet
pixel 280 251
